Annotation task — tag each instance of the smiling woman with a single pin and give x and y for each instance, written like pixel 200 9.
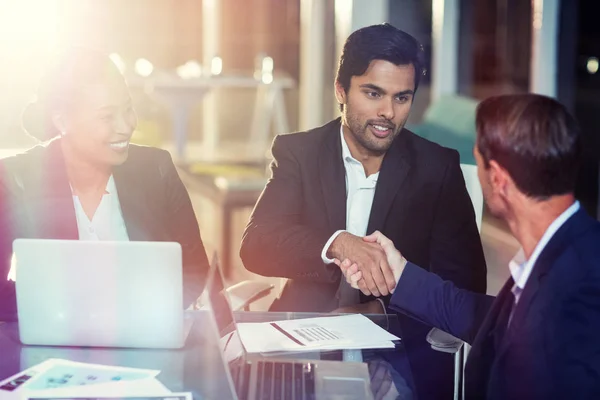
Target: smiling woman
pixel 84 98
pixel 85 181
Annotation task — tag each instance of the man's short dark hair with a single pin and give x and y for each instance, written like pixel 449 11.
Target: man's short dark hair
pixel 379 42
pixel 534 138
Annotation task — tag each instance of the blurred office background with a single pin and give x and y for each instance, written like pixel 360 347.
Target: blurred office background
pixel 214 80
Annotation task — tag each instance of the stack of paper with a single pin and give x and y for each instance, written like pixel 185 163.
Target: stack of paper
pixel 324 333
pixel 56 378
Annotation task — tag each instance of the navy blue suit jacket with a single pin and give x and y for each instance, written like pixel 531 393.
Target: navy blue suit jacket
pixel 551 349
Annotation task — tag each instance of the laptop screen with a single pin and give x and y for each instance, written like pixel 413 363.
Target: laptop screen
pixel 229 341
pixel 219 302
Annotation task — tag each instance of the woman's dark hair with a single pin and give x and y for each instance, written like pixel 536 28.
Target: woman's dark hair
pixel 379 42
pixel 534 138
pixel 68 71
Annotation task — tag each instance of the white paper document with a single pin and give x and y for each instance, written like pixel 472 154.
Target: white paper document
pixel 324 333
pixel 170 396
pixel 68 379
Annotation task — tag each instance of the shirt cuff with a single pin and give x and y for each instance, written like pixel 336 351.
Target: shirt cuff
pixel 327 245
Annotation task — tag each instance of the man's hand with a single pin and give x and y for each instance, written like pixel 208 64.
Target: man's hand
pixel 370 260
pixel 354 275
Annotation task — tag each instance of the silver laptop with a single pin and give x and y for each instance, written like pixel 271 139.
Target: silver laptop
pixel 95 293
pixel 254 377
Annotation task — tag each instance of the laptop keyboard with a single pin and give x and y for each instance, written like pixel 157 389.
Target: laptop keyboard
pixel 241 378
pixel 277 380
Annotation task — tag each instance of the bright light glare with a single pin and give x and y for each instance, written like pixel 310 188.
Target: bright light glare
pixel 265 73
pixel 216 66
pixel 343 13
pixel 538 14
pixel 267 65
pixel 119 62
pixel 592 65
pixel 12 273
pixel 437 22
pixel 143 67
pixel 267 78
pixel 189 70
pixel 28 26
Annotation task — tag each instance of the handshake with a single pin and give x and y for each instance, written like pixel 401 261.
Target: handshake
pixel 371 263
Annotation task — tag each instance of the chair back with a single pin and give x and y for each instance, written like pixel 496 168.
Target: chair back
pixel 474 189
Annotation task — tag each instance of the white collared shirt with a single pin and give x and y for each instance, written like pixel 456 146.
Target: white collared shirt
pixel 520 268
pixel 360 191
pixel 107 222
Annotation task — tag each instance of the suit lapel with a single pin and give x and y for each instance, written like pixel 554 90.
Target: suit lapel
pixel 333 176
pixel 492 322
pixel 542 266
pixel 51 208
pixel 394 171
pixel 133 202
pixel 483 352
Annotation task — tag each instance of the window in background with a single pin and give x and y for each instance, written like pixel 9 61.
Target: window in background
pixel 494 47
pixel 414 17
pixel 586 90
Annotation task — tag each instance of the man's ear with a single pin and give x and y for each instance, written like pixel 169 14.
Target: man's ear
pixel 340 93
pixel 499 178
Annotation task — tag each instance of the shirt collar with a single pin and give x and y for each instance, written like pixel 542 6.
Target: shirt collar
pixel 346 155
pixel 348 159
pixel 520 268
pixel 111 187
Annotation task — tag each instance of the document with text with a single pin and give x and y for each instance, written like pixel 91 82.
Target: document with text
pixel 323 333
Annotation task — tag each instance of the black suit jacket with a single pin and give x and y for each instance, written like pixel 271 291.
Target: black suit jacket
pixel 420 203
pixel 551 349
pixel 36 202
